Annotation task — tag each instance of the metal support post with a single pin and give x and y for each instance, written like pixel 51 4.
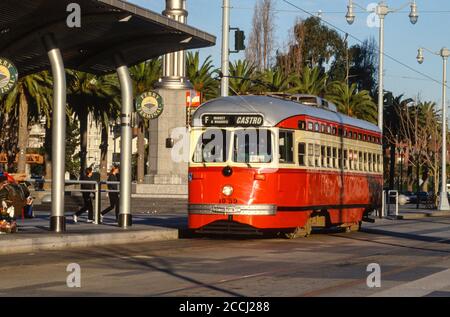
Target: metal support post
pixel 97 202
pixel 225 48
pixel 443 201
pixel 57 219
pixel 126 86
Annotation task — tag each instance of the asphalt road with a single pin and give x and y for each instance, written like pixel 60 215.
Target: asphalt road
pixel 414 258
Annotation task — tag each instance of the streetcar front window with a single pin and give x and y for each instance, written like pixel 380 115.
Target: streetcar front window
pixel 212 146
pixel 252 146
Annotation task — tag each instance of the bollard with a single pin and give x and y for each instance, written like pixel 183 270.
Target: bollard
pixel 97 203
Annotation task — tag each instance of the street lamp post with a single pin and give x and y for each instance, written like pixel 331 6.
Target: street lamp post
pixel 225 48
pixel 381 10
pixel 444 53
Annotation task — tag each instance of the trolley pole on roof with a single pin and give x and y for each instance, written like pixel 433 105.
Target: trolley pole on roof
pixel 225 48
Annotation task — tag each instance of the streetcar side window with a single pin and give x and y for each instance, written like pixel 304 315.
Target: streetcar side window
pixel 311 154
pixel 286 147
pixel 335 158
pixel 374 162
pixel 346 159
pixel 379 162
pixel 317 155
pixel 375 168
pixel 302 154
pixel 365 162
pixel 302 125
pixel 212 146
pixel 329 157
pixel 323 156
pixel 252 146
pixel 352 156
pixel 361 161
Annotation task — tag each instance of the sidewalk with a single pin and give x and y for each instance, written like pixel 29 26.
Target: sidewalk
pixel 152 221
pixel 410 212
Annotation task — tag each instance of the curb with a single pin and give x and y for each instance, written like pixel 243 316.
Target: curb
pixel 65 241
pixel 412 216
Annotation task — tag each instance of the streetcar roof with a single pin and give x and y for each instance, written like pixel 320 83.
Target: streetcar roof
pixel 274 111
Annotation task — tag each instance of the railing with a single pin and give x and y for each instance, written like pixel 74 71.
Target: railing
pixel 97 190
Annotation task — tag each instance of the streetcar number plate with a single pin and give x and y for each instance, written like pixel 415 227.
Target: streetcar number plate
pixel 226 209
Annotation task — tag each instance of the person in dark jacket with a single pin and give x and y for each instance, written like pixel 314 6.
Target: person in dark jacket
pixel 113 196
pixel 87 197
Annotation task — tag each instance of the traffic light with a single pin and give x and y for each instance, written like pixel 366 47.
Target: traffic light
pixel 239 38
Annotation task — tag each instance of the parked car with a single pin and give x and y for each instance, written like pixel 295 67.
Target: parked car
pixel 411 197
pixel 423 197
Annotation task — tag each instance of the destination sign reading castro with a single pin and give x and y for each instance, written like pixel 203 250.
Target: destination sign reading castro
pixel 233 120
pixel 8 76
pixel 149 105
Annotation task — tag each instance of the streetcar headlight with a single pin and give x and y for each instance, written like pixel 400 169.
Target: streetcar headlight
pixel 227 190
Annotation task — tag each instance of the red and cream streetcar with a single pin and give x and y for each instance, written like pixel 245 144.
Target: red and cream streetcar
pixel 284 164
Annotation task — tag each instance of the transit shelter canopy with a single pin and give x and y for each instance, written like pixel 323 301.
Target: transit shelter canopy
pixel 108 27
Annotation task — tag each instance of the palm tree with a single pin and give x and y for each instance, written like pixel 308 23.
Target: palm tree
pixel 201 75
pixel 311 81
pixel 144 76
pixel 351 102
pixel 87 92
pixel 30 98
pixel 275 80
pixel 104 114
pixel 244 71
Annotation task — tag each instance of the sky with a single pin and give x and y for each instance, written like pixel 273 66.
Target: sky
pixel 402 39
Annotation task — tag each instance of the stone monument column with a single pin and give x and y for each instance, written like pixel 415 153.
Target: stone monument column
pixel 167 177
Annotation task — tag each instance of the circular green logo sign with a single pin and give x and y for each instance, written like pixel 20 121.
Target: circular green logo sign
pixel 8 76
pixel 149 105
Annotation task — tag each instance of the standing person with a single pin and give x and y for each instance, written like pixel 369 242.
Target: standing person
pixel 113 196
pixel 87 198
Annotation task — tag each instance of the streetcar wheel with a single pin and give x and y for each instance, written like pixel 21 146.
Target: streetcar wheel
pixel 300 232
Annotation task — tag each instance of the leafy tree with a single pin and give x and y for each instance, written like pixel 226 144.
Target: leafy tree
pixel 364 65
pixel 313 44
